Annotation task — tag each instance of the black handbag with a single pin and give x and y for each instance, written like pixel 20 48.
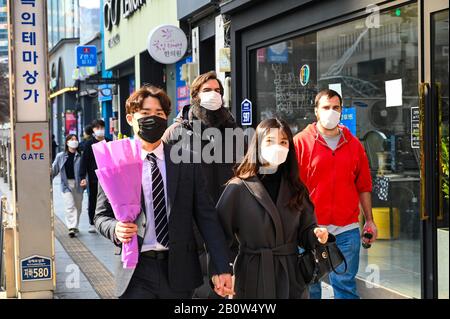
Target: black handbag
pixel 317 263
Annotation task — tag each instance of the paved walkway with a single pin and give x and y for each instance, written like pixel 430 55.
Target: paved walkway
pixel 71 283
pixel 90 252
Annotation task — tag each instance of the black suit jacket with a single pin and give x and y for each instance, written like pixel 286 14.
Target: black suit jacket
pixel 88 164
pixel 188 200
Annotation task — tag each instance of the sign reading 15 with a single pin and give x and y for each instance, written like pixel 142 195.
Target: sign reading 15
pixel 33 142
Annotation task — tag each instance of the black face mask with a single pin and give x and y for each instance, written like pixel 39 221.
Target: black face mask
pixel 151 128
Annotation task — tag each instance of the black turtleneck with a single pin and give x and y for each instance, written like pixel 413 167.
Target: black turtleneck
pixel 69 166
pixel 271 183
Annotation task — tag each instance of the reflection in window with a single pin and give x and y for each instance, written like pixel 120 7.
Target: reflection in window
pixel 357 61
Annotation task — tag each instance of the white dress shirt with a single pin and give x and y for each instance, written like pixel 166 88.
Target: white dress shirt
pixel 150 241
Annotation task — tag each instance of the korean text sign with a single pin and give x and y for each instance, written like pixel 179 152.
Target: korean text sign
pixel 30 60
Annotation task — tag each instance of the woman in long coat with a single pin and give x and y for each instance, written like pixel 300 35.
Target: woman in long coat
pixel 67 164
pixel 266 214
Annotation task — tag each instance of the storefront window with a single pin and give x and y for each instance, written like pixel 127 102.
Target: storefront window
pixel 375 68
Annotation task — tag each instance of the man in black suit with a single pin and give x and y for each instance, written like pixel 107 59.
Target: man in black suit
pixel 174 195
pixel 54 148
pixel 88 166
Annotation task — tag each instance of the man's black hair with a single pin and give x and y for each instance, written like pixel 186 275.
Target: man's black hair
pixel 88 129
pixel 98 123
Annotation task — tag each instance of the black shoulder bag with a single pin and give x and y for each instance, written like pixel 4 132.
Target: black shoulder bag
pixel 316 263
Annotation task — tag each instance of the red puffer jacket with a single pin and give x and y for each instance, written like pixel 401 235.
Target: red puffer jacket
pixel 334 178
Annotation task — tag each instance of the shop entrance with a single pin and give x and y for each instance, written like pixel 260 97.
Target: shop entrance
pixel 374 66
pixel 390 64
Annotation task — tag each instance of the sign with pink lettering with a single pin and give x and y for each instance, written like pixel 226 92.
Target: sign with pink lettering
pixel 167 44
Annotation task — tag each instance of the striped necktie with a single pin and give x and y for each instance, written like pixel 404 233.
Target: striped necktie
pixel 159 203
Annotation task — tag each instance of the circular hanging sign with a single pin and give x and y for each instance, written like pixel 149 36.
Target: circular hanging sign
pixel 304 75
pixel 167 44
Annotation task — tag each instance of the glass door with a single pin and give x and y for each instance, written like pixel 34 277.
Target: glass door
pixel 435 95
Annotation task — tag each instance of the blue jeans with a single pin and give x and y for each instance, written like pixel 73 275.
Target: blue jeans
pixel 344 286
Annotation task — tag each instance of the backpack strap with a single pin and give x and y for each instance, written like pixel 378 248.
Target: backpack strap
pixel 185 111
pixel 185 117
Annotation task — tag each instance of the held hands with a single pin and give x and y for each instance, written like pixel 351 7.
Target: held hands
pixel 223 285
pixel 83 183
pixel 321 234
pixel 125 231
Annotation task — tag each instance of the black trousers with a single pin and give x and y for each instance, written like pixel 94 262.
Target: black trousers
pixel 93 190
pixel 150 281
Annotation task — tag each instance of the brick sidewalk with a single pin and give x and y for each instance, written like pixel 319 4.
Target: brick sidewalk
pixel 91 254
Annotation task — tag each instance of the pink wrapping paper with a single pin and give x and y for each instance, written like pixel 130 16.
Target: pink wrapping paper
pixel 120 175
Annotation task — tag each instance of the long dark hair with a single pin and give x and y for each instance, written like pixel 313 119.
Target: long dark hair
pixel 68 138
pixel 289 169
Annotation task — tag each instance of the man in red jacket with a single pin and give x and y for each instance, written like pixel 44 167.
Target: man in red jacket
pixel 334 168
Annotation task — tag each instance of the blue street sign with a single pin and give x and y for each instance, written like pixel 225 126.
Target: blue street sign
pixel 86 55
pixel 36 268
pixel 246 112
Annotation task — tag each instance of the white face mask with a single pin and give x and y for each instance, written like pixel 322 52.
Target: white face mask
pixel 210 100
pixel 274 154
pixel 99 133
pixel 329 118
pixel 72 144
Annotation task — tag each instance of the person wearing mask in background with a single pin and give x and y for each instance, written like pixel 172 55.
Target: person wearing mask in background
pixel 207 108
pixel 174 195
pixel 334 168
pixel 88 167
pixel 265 210
pixel 206 111
pixel 87 135
pixel 54 148
pixel 67 164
